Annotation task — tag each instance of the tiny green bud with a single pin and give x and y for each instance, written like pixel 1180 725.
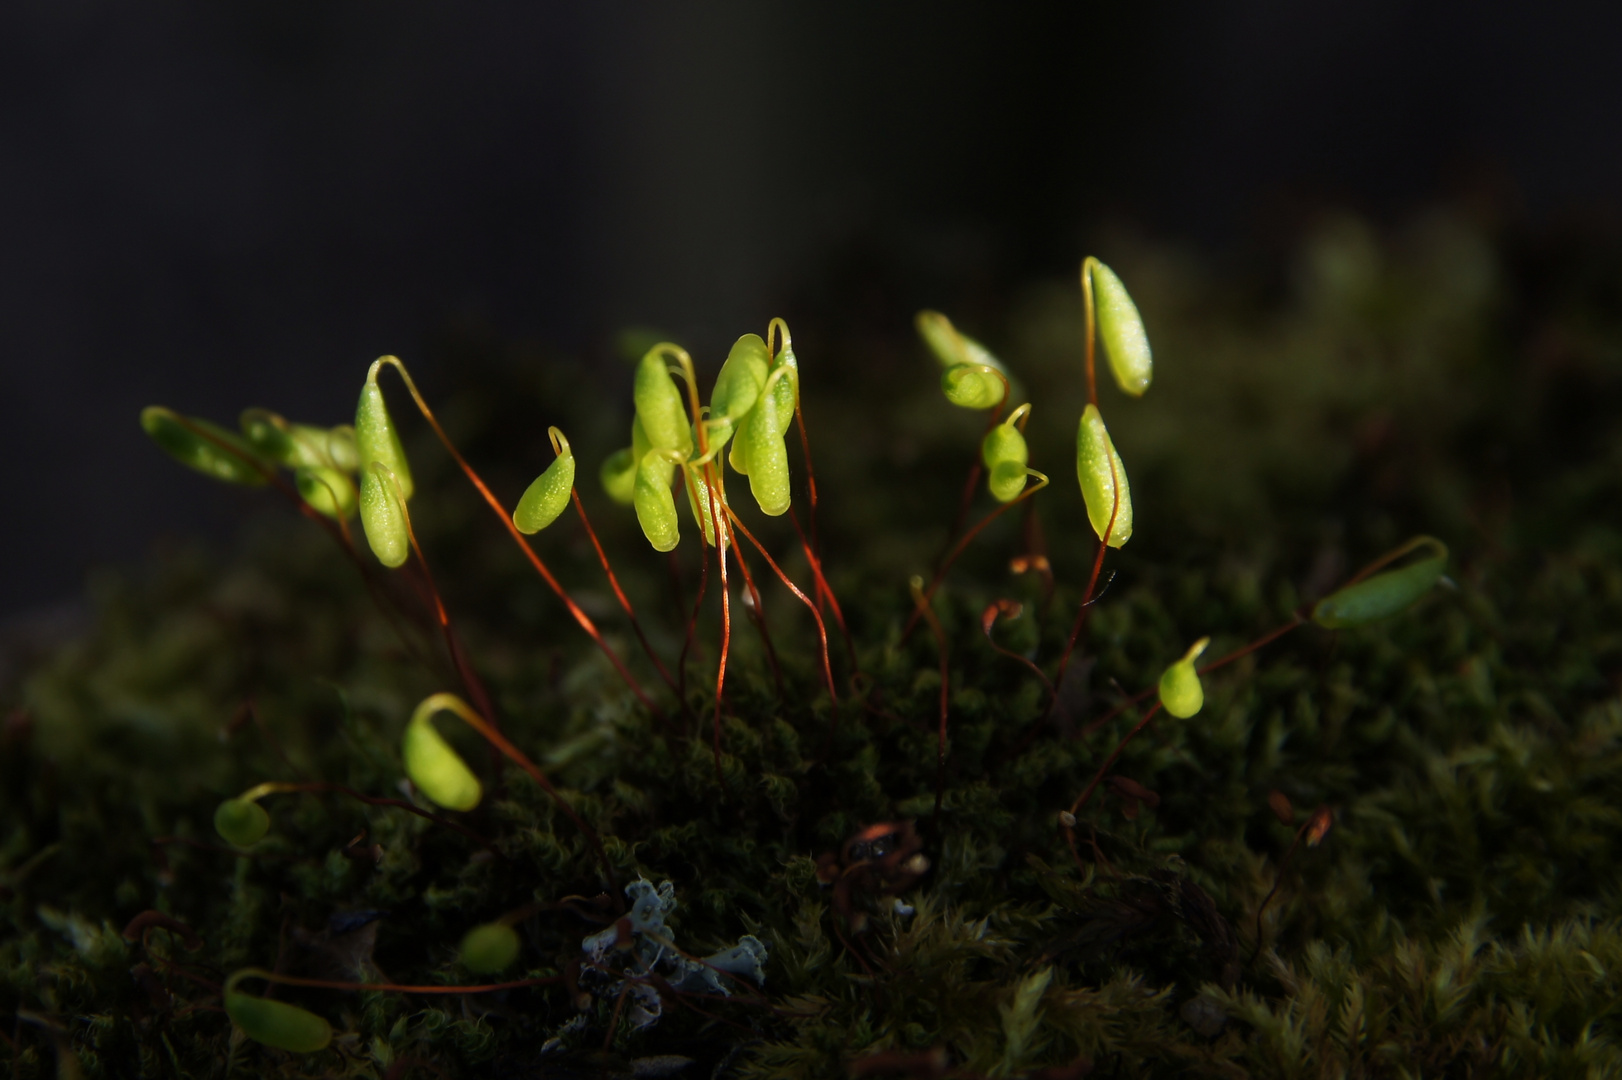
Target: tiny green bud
pixel 437 770
pixel 1099 469
pixel 490 948
pixel 384 516
pixel 241 822
pixel 1386 593
pixel 655 505
pixel 275 1023
pixel 191 449
pixel 326 489
pixel 376 438
pixel 658 404
pixel 1181 694
pixel 1006 456
pixel 1120 328
pixel 618 475
pixel 767 453
pixel 973 386
pixel 548 496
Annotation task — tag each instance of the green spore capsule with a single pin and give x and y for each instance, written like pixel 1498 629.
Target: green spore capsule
pixel 490 948
pixel 193 450
pixel 737 387
pixel 241 822
pixel 384 517
pixel 941 337
pixel 275 1023
pixel 785 391
pixel 1120 328
pixel 342 449
pixel 766 451
pixel 655 505
pixel 1099 469
pixel 618 476
pixel 972 386
pixel 271 435
pixel 327 490
pixel 1006 456
pixel 1386 593
pixel 548 496
pixel 376 437
pixel 1181 694
pixel 698 499
pixel 437 770
pixel 658 405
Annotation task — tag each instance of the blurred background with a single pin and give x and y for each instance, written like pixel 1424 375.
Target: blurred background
pixel 219 205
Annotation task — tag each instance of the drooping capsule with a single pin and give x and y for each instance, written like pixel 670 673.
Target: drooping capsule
pixel 548 496
pixel 699 499
pixel 342 449
pixel 434 767
pixel 377 438
pixel 618 475
pixel 658 405
pixel 241 822
pixel 737 387
pixel 786 390
pixel 1386 593
pixel 765 449
pixel 327 490
pixel 490 948
pixel 655 505
pixel 973 386
pixel 1006 456
pixel 1099 469
pixel 1181 694
pixel 1120 328
pixel 383 516
pixel 272 436
pixel 275 1023
pixel 210 449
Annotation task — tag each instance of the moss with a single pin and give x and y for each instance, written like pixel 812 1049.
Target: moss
pixel 1460 917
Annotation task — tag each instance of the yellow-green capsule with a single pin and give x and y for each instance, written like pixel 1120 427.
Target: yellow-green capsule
pixel 786 390
pixel 193 450
pixel 737 387
pixel 1099 469
pixel 241 822
pixel 1120 328
pixel 941 337
pixel 618 474
pixel 326 489
pixel 548 496
pixel 655 505
pixel 342 449
pixel 271 435
pixel 767 453
pixel 384 517
pixel 698 499
pixel 1181 694
pixel 658 405
pixel 972 386
pixel 1006 456
pixel 275 1023
pixel 490 948
pixel 376 437
pixel 1386 593
pixel 434 767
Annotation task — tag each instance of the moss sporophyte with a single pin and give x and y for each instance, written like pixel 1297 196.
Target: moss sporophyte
pixel 630 964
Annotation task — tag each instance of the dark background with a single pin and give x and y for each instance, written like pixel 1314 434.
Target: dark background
pixel 213 205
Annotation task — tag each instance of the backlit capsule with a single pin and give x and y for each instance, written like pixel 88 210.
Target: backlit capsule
pixel 210 449
pixel 1120 328
pixel 618 475
pixel 737 387
pixel 490 948
pixel 1386 593
pixel 699 499
pixel 384 516
pixel 1006 456
pixel 327 490
pixel 1099 469
pixel 548 496
pixel 275 1023
pixel 655 506
pixel 1181 694
pixel 434 767
pixel 658 405
pixel 973 386
pixel 241 822
pixel 765 450
pixel 376 437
